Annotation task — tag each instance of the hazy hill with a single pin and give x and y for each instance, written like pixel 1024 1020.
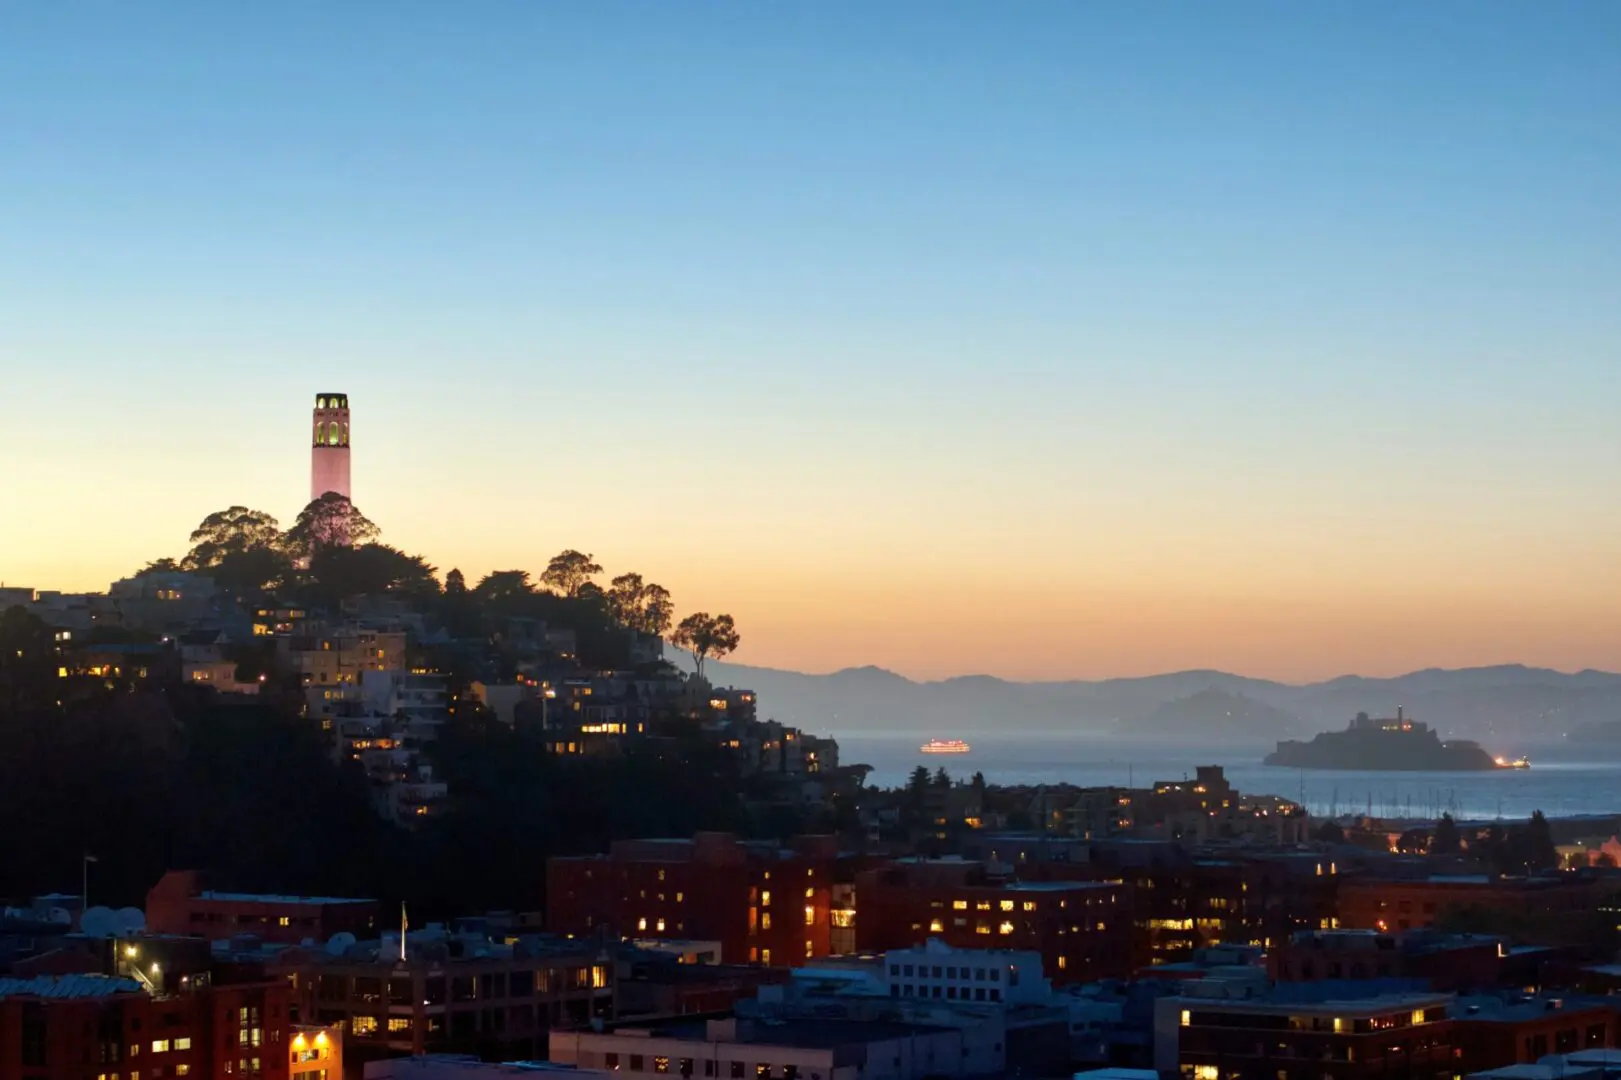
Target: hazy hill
pixel 1516 701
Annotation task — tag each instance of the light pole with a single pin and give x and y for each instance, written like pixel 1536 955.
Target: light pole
pixel 84 895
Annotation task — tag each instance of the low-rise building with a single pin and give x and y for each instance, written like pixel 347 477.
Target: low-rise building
pixel 1281 1038
pixel 1081 929
pixel 179 904
pixel 738 1049
pixel 764 903
pixel 315 1053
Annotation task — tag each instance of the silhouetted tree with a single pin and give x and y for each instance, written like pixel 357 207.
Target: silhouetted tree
pixel 569 571
pixel 455 583
pixel 241 549
pixel 504 590
pixel 1446 840
pixel 330 521
pixel 704 636
pixel 28 678
pixel 159 566
pixel 1330 832
pixel 942 779
pixel 371 570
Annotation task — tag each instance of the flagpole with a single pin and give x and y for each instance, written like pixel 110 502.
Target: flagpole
pixel 404 924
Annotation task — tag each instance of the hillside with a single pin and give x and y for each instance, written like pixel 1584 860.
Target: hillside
pixel 1524 703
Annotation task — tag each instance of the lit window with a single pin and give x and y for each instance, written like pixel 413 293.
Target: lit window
pixel 765 956
pixel 1005 928
pixel 810 894
pixel 810 915
pixel 935 926
pixel 1029 905
pixel 810 950
pixel 183 1043
pixel 1206 1072
pixel 765 898
pixel 161 1046
pixel 284 921
pixel 599 977
pixel 1006 905
pixel 661 926
pixel 1187 1018
pixel 364 1025
pixel 959 905
pixel 679 897
pixel 399 1023
pixel 765 920
pixel 1063 963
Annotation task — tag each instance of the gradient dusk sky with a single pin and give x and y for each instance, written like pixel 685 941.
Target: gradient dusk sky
pixel 1038 339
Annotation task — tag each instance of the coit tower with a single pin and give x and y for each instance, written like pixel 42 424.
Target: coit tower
pixel 329 456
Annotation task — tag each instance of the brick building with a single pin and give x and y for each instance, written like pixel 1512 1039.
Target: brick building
pixel 1442 961
pixel 1392 905
pixel 178 904
pixel 1493 1033
pixel 763 904
pixel 1403 1036
pixel 81 1027
pixel 1080 928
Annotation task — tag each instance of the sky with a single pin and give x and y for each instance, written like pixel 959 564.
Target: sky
pixel 1044 340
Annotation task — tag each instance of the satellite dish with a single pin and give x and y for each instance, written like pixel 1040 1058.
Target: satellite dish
pixel 131 920
pixel 341 943
pixel 100 922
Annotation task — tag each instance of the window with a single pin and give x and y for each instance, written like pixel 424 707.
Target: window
pixel 765 920
pixel 935 926
pixel 182 1043
pixel 762 1072
pixel 636 1063
pixel 737 1070
pixel 599 977
pixel 364 1025
pixel 182 1070
pixel 399 1023
pixel 284 921
pixel 810 950
pixel 765 898
pixel 641 924
pixel 661 926
pixel 810 915
pixel 661 1064
pixel 1029 905
pixel 160 1046
pixel 1006 905
pixel 959 905
pixel 765 956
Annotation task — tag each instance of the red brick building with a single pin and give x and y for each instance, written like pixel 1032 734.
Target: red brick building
pixel 763 904
pixel 178 904
pixel 1445 962
pixel 1082 929
pixel 1396 1036
pixel 1493 1033
pixel 1393 905
pixel 83 1027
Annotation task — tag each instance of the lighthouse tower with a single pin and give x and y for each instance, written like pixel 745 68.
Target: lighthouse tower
pixel 329 456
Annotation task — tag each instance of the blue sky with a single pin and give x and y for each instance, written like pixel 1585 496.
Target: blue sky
pixel 817 310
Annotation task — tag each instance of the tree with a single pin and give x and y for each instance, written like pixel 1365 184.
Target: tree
pixel 704 636
pixel 942 779
pixel 332 520
pixel 455 583
pixel 503 587
pixel 1533 848
pixel 917 786
pixel 569 571
pixel 159 566
pixel 371 570
pixel 626 594
pixel 1330 832
pixel 640 606
pixel 27 663
pixel 1446 840
pixel 658 611
pixel 230 532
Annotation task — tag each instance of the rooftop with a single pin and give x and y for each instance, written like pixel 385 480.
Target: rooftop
pixel 274 898
pixel 803 1034
pixel 68 986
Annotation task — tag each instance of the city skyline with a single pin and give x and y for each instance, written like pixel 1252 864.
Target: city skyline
pixel 1080 344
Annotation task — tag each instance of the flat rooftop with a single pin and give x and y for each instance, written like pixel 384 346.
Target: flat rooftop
pixel 276 898
pixel 68 986
pixel 805 1034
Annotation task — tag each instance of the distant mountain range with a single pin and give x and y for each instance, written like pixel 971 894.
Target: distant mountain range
pixel 1512 702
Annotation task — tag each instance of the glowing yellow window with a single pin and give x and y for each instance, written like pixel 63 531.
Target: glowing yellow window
pixel 1005 928
pixel 1006 905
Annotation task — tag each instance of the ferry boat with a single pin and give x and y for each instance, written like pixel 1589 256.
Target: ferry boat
pixel 945 746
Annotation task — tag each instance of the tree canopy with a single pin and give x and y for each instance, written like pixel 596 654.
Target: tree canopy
pixel 705 636
pixel 329 521
pixel 569 572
